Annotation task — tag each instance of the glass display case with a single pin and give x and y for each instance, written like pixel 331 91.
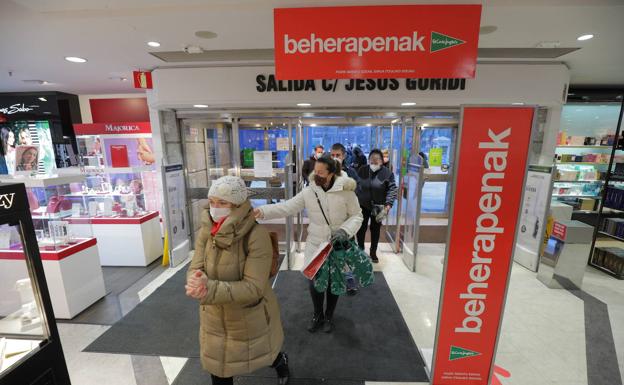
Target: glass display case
pixel 120 167
pixel 30 348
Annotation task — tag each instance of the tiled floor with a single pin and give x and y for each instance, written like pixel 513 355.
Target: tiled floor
pixel 542 340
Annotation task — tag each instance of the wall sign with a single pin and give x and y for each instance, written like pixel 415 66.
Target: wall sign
pixel 398 41
pixel 6 200
pixel 142 79
pixel 113 128
pixel 17 108
pixel 492 160
pixel 269 83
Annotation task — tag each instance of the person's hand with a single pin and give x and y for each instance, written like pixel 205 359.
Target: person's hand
pixel 196 292
pixel 258 214
pixel 144 152
pixel 196 285
pixel 382 214
pixel 339 236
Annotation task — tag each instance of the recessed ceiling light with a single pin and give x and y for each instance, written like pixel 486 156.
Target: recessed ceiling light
pixel 200 105
pixel 257 125
pixel 313 125
pixel 585 37
pixel 43 99
pixel 368 124
pixel 206 34
pixel 518 104
pixel 75 59
pixel 303 104
pixel 153 44
pixel 406 104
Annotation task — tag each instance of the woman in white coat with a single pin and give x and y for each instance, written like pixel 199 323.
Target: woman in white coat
pixel 334 213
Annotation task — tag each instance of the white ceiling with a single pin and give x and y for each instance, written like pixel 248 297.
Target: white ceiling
pixel 36 35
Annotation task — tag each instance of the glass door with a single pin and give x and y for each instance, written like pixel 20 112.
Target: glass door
pixel 437 145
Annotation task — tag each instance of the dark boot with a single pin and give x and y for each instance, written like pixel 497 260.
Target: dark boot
pixel 281 367
pixel 328 326
pixel 316 323
pixel 373 255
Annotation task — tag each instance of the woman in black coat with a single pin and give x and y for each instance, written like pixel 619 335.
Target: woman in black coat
pixel 376 192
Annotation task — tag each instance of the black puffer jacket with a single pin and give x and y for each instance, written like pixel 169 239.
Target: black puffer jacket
pixel 376 188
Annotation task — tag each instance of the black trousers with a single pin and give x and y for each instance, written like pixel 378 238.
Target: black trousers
pixel 230 380
pixel 319 298
pixel 221 380
pixel 375 228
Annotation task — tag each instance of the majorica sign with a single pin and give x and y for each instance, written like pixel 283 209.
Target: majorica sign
pixel 268 83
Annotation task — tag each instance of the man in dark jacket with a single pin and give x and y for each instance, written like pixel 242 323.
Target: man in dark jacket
pixel 376 192
pixel 339 153
pixel 308 165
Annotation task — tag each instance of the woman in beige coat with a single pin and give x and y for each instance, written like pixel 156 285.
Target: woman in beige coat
pixel 240 325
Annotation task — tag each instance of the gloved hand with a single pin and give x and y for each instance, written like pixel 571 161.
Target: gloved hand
pixel 339 236
pixel 382 214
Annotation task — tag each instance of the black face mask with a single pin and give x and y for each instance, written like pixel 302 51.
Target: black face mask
pixel 319 180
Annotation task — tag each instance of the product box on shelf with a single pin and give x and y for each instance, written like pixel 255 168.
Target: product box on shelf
pixel 576 140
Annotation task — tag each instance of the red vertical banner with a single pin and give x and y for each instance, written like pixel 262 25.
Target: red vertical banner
pixel 491 168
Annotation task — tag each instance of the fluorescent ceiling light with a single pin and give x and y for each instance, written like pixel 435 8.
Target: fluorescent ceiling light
pixel 518 104
pixel 407 104
pixel 43 99
pixel 75 59
pixel 200 105
pixel 585 37
pixel 303 104
pixel 153 44
pixel 313 125
pixel 368 124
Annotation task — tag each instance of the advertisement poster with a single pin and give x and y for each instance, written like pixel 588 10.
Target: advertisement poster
pixel 533 219
pixel 263 164
pixel 26 133
pixel 493 151
pixel 435 157
pixel 358 42
pixel 139 151
pixel 177 216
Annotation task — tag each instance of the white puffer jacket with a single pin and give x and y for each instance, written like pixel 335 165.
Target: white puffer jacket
pixel 339 203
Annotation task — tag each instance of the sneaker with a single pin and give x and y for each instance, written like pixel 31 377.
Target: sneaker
pixel 316 323
pixel 328 326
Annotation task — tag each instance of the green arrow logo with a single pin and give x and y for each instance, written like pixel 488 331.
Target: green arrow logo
pixel 458 353
pixel 440 41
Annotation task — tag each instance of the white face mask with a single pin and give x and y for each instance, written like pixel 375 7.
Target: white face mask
pixel 218 213
pixel 338 160
pixel 375 167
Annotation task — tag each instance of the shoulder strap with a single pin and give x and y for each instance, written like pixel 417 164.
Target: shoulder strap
pixel 321 207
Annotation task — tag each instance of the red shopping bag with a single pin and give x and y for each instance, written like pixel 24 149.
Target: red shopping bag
pixel 315 264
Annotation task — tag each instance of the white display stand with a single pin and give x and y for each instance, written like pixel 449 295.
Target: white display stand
pixel 131 241
pixel 73 275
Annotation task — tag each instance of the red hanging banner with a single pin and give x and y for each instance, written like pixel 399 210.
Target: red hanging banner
pixel 400 41
pixel 491 168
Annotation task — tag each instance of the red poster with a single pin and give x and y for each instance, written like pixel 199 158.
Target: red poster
pixel 559 231
pixel 400 41
pixel 113 128
pixel 142 79
pixel 492 162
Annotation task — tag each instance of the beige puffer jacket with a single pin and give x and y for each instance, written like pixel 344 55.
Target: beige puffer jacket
pixel 240 325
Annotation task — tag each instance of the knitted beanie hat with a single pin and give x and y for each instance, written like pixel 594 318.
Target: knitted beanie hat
pixel 229 188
